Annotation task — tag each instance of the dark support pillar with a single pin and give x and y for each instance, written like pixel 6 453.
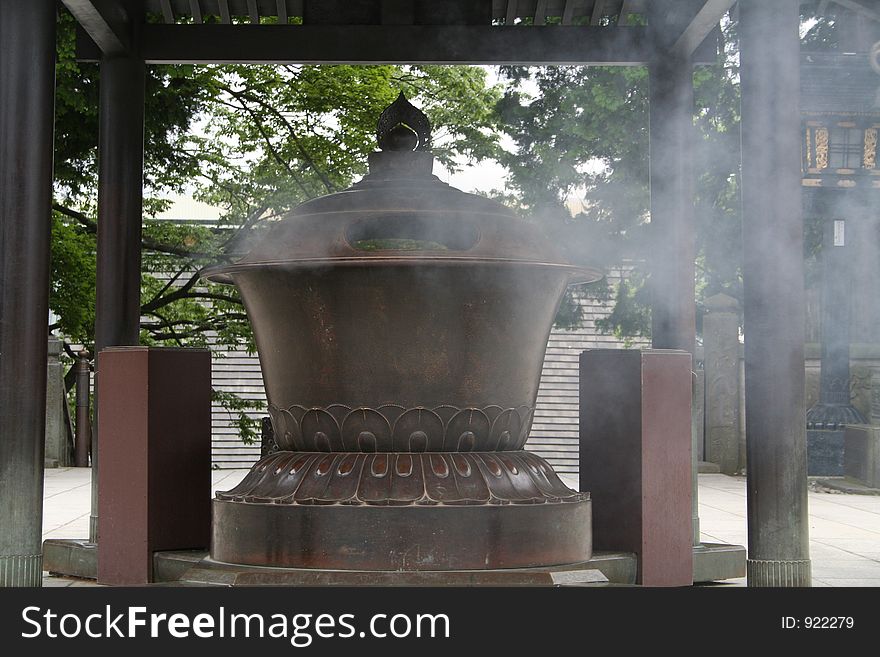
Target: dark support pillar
pixel 120 209
pixel 672 204
pixel 673 312
pixel 773 285
pixel 27 80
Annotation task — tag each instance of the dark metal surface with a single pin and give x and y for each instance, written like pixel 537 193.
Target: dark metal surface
pixel 402 478
pixel 392 427
pixel 27 56
pixel 773 290
pixel 397 337
pixel 267 438
pixel 194 568
pixel 401 113
pixel 401 327
pixel 376 537
pixel 402 314
pixel 83 443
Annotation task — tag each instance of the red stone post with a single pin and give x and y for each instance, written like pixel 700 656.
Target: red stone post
pixel 154 486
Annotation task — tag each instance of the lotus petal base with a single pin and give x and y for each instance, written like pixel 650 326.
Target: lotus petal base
pixel 402 511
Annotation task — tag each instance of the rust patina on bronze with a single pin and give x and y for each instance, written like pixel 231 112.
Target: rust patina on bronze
pixel 401 326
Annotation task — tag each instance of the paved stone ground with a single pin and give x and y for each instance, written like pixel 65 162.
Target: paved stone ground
pixel 844 528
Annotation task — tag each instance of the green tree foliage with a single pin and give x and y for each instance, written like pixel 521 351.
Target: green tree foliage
pixel 254 141
pixel 583 132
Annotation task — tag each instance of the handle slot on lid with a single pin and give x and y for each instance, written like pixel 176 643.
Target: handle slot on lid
pixel 411 232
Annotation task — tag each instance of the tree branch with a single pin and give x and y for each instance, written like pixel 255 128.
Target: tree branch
pixel 181 292
pixel 328 184
pixel 150 244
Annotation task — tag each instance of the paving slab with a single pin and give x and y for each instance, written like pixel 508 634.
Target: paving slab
pixel 844 528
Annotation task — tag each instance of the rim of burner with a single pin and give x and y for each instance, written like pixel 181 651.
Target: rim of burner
pixel 221 274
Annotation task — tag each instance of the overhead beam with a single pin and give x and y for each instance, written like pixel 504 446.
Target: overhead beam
pixel 167 11
pixel 398 12
pixel 510 19
pixel 374 44
pixel 195 9
pixel 858 7
pixel 568 12
pixel 625 11
pixel 596 16
pixel 223 6
pixel 540 12
pixel 706 20
pixel 283 18
pixel 105 21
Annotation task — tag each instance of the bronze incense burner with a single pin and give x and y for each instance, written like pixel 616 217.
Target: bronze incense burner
pixel 401 327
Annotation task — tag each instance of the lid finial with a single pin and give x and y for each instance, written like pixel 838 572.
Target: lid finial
pixel 403 127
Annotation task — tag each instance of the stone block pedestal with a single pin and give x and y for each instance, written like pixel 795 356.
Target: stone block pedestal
pixel 154 485
pixel 862 454
pixel 635 457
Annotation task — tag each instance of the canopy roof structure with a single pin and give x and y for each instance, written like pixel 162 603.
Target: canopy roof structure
pixel 608 32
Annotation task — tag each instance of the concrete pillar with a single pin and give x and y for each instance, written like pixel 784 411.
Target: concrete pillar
pixel 773 286
pixel 721 354
pixel 27 97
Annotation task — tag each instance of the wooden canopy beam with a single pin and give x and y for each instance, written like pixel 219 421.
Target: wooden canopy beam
pixel 706 20
pixel 411 44
pixel 105 21
pixel 860 8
